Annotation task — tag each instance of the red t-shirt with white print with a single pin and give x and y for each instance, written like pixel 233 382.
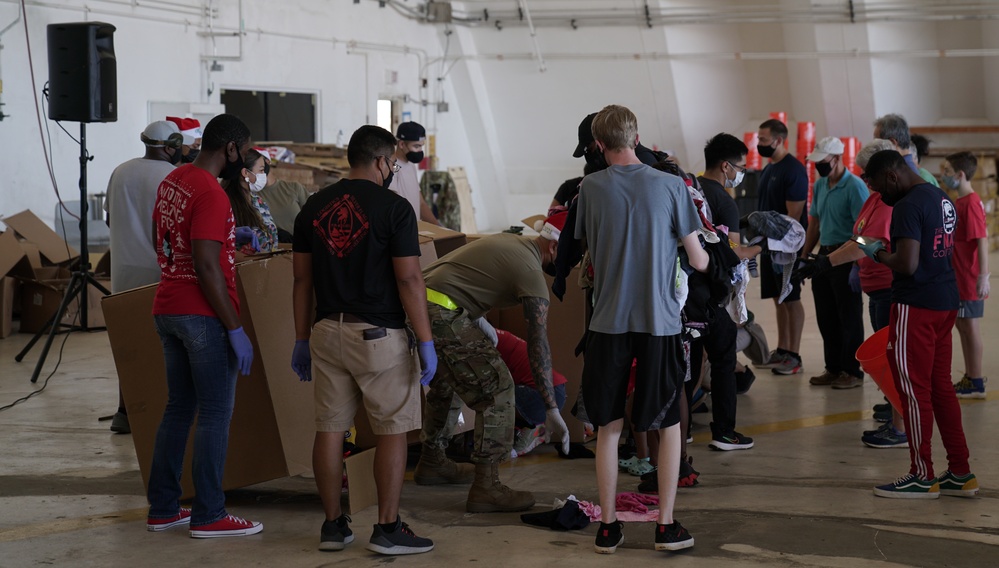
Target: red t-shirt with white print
pixel 191 205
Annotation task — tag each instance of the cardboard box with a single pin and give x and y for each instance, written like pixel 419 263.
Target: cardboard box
pixel 445 240
pixel 361 488
pixel 566 324
pixel 7 294
pixel 985 188
pixel 272 427
pixel 428 252
pixel 32 229
pixel 41 297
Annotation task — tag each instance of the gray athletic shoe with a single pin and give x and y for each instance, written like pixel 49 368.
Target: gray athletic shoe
pixel 402 540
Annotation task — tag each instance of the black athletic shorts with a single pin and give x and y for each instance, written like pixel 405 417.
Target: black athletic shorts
pixel 771 282
pixel 658 378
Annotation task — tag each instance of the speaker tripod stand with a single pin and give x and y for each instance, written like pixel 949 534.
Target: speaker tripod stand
pixel 80 282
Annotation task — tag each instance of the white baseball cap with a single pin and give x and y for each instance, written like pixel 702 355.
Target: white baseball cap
pixel 828 146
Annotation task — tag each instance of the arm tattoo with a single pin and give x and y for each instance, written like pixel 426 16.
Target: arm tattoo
pixel 539 352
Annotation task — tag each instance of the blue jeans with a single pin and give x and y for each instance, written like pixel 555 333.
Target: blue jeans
pixel 531 409
pixel 201 377
pixel 879 307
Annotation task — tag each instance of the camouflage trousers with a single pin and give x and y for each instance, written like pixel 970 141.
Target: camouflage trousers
pixel 469 370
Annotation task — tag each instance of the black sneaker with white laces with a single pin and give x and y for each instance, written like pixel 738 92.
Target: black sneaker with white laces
pixel 673 537
pixel 731 441
pixel 336 534
pixel 400 540
pixel 609 537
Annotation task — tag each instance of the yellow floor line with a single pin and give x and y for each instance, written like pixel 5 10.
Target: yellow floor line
pixel 74 524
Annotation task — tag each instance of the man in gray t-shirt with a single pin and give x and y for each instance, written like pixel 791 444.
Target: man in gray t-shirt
pixel 633 218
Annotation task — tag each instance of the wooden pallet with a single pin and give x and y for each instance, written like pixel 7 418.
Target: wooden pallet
pixel 468 225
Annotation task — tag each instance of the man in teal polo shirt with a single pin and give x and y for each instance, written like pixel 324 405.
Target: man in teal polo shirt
pixel 837 198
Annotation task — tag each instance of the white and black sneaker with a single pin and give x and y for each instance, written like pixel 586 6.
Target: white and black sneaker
pixel 609 537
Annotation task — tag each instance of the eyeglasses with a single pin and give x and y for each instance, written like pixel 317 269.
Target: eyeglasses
pixel 737 166
pixel 393 164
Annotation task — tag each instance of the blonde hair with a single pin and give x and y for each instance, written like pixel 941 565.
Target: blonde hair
pixel 871 148
pixel 615 127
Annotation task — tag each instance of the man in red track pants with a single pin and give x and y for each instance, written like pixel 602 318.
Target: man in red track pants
pixel 924 306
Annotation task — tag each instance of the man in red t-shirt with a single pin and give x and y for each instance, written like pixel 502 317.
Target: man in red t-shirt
pixel 196 312
pixel 529 404
pixel 971 267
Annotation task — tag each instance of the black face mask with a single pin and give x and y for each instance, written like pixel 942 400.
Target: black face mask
pixel 177 155
pixel 596 160
pixel 414 157
pixel 823 168
pixel 765 151
pixel 231 169
pixel 387 181
pixel 191 156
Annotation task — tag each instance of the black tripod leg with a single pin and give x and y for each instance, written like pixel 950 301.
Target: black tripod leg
pixel 38 335
pixel 74 288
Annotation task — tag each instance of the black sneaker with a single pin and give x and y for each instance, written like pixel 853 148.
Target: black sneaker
pixel 673 537
pixel 731 441
pixel 401 540
pixel 609 537
pixel 882 407
pixel 744 380
pixel 336 534
pixel 688 475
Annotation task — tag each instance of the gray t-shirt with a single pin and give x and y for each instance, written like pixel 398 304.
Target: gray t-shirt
pixel 131 195
pixel 632 218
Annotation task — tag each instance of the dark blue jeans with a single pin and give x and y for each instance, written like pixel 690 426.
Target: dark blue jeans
pixel 879 307
pixel 201 377
pixel 531 407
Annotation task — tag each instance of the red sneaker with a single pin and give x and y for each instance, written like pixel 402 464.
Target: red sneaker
pixel 228 526
pixel 181 518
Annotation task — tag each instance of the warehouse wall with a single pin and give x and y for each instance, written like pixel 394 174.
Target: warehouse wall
pixel 510 125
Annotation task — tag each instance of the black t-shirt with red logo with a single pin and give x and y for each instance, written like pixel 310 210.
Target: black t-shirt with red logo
pixel 353 229
pixel 926 215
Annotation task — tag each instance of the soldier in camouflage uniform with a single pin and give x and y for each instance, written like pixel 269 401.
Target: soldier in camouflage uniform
pixel 498 271
pixel 438 189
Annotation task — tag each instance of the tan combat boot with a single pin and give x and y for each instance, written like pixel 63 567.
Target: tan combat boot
pixel 435 468
pixel 488 495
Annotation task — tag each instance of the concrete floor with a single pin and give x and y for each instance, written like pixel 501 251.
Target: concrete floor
pixel 71 494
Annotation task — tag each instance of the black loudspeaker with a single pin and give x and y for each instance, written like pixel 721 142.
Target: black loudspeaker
pixel 83 72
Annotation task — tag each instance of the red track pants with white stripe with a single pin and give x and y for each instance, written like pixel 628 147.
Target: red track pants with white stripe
pixel 919 354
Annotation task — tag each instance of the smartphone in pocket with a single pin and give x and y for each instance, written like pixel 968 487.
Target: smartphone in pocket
pixel 374 333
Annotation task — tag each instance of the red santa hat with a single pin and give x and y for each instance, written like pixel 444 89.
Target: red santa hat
pixel 189 127
pixel 551 228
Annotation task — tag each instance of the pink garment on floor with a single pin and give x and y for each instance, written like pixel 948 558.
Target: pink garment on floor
pixel 631 508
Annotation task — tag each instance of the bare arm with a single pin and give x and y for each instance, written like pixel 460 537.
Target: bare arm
pixel 539 352
pixel 696 256
pixel 302 294
pixel 794 209
pixel 847 253
pixel 811 236
pixel 206 266
pixel 983 256
pixel 413 293
pixel 904 260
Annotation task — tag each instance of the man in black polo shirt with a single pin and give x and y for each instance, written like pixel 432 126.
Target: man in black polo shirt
pixel 356 248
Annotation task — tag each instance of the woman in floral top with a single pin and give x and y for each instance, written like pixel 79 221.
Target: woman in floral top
pixel 248 207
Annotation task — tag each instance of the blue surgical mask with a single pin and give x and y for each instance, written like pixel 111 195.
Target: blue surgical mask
pixel 951 181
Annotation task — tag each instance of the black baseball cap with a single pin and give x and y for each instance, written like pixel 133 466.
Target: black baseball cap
pixel 411 132
pixel 585 135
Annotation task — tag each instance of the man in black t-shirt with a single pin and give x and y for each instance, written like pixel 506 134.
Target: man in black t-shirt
pixel 725 165
pixel 783 188
pixel 356 248
pixel 924 302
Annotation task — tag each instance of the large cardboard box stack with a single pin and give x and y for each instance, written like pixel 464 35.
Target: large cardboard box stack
pixel 445 240
pixel 40 260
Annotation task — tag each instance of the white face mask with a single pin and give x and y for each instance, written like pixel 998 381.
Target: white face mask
pixel 260 183
pixel 732 183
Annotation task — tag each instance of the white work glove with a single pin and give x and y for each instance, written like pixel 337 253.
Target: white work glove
pixel 557 430
pixel 983 285
pixel 488 330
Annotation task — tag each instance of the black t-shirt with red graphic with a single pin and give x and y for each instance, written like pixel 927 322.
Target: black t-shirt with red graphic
pixel 926 215
pixel 353 229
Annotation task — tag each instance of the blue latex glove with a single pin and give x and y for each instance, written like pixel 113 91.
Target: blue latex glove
pixel 428 362
pixel 301 360
pixel 243 349
pixel 871 249
pixel 855 278
pixel 245 235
